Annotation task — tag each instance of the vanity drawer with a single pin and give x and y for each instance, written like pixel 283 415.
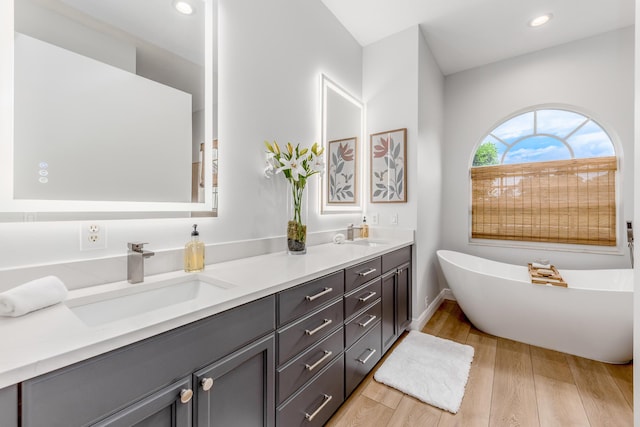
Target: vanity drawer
pixel 315 403
pixel 395 258
pixel 362 297
pixel 9 406
pixel 300 370
pixel 361 358
pixel 362 323
pixel 105 384
pixel 308 330
pixel 305 298
pixel 361 273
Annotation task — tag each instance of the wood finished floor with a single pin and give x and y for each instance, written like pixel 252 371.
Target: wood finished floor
pixel 510 384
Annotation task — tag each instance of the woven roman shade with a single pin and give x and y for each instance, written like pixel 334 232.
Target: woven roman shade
pixel 562 201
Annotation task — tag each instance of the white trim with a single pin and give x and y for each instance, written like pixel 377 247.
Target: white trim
pixel 418 324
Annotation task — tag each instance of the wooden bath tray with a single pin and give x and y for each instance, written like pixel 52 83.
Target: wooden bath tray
pixel 544 276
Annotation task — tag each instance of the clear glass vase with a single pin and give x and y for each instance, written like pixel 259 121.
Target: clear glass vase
pixel 297 220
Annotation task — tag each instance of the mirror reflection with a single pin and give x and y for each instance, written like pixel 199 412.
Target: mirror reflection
pixel 342 127
pixel 109 102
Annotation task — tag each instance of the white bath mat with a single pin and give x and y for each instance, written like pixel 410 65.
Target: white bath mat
pixel 428 368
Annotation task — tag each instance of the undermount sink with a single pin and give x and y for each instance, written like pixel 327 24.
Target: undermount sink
pixel 367 242
pixel 145 298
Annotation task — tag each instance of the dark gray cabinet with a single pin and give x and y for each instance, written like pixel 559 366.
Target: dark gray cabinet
pixel 362 328
pixel 313 404
pixel 169 407
pixel 310 380
pixel 361 358
pixel 403 296
pixel 396 295
pixel 289 359
pixel 239 389
pixel 92 390
pixel 9 406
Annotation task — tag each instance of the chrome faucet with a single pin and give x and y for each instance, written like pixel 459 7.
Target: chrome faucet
pixel 135 261
pixel 350 229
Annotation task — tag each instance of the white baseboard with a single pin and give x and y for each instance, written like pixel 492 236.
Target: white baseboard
pixel 447 294
pixel 418 324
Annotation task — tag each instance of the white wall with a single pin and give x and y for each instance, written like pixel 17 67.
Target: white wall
pixel 636 221
pixel 429 170
pixel 594 75
pixel 43 23
pixel 403 88
pixel 82 157
pixel 271 56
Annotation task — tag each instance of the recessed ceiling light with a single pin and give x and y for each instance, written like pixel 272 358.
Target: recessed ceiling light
pixel 183 7
pixel 540 20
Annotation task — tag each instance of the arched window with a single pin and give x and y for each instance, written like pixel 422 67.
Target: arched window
pixel 547 175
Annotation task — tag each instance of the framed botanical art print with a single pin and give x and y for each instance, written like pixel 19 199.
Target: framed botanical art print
pixel 342 171
pixel 388 155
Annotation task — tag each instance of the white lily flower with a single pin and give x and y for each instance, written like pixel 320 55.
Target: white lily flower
pixel 294 165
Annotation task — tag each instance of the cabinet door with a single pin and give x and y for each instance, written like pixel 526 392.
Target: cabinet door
pixel 169 407
pixel 238 390
pixel 403 297
pixel 388 310
pixel 9 407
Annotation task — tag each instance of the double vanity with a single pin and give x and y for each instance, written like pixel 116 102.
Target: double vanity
pixel 268 340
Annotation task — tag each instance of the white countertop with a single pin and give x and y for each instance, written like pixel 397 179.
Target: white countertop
pixel 54 337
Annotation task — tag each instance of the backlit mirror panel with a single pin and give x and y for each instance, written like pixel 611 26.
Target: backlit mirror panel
pixel 112 105
pixel 342 137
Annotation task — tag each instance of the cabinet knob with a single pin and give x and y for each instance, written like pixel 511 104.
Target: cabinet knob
pixel 206 383
pixel 185 395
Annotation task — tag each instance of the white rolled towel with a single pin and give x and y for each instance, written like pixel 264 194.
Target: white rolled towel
pixel 540 265
pixel 32 295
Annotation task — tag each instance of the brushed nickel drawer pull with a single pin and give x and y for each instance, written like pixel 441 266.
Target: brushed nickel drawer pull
pixel 327 399
pixel 372 317
pixel 366 359
pixel 318 295
pixel 366 273
pixel 327 354
pixel 368 297
pixel 325 323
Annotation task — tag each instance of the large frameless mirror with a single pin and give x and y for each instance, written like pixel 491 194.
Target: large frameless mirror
pixel 342 137
pixel 112 106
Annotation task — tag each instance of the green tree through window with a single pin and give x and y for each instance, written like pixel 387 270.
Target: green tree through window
pixel 487 154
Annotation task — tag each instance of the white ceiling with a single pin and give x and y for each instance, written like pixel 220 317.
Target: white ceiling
pixel 156 22
pixel 464 34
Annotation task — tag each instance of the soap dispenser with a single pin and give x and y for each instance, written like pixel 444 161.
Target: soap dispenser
pixel 364 228
pixel 194 253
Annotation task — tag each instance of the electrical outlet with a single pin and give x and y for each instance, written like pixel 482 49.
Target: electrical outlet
pixel 92 236
pixel 426 301
pixel 394 219
pixel 374 219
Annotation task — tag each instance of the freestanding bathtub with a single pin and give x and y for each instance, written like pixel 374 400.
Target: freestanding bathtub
pixel 592 317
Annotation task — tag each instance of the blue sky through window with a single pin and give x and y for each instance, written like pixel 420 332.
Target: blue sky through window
pixel 545 135
pixel 515 128
pixel 537 149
